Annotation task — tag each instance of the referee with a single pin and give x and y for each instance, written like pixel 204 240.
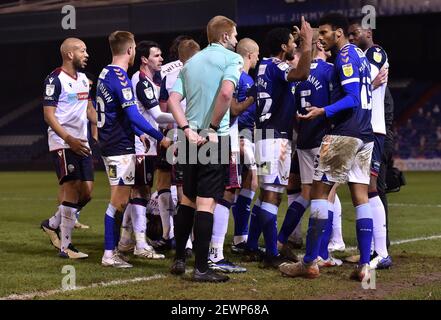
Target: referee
pixel 207 82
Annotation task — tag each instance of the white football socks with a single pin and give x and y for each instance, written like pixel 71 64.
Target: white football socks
pixel 55 221
pixel 139 222
pixel 379 220
pixel 166 210
pixel 67 225
pixel 220 227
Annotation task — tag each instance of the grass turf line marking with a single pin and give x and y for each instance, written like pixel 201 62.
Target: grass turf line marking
pixel 398 242
pixel 392 204
pixel 42 294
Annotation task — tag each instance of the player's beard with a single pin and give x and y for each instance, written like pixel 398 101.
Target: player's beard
pixel 332 43
pixel 289 56
pixel 77 64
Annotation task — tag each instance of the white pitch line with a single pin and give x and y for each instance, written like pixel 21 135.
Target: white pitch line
pixel 397 242
pixel 32 295
pixel 422 205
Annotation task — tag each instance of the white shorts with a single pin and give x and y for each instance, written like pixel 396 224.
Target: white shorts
pixel 120 169
pixel 344 159
pixel 248 154
pixel 307 158
pixel 273 159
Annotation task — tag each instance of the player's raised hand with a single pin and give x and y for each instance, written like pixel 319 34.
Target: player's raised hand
pixel 313 112
pixel 78 146
pixel 306 33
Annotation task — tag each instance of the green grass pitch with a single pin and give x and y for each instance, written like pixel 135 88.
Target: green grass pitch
pixel 30 265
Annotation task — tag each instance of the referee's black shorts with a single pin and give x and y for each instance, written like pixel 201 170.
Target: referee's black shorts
pixel 204 179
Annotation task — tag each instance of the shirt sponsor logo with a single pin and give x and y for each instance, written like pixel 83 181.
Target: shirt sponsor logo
pixel 127 93
pixel 50 89
pixel 348 70
pixel 83 96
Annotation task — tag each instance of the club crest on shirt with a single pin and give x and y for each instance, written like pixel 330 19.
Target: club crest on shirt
pixel 50 89
pixel 347 69
pixel 149 93
pixel 127 93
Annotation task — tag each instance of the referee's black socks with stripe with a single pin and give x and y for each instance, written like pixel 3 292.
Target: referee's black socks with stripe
pixel 203 228
pixel 183 223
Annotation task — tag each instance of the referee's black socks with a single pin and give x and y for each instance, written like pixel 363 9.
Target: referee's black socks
pixel 183 223
pixel 203 228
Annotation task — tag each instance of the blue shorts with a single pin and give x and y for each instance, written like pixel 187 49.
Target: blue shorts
pixel 376 154
pixel 70 166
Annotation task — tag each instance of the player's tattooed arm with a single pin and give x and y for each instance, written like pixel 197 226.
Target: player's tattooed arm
pixel 78 146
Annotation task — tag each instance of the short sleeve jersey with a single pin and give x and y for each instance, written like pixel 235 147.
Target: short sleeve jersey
pixel 169 74
pixel 315 91
pixel 351 65
pixel 114 94
pixel 70 97
pixel 275 99
pixel 200 80
pixel 378 59
pixel 246 119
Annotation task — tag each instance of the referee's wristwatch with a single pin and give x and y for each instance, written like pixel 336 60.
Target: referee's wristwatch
pixel 214 127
